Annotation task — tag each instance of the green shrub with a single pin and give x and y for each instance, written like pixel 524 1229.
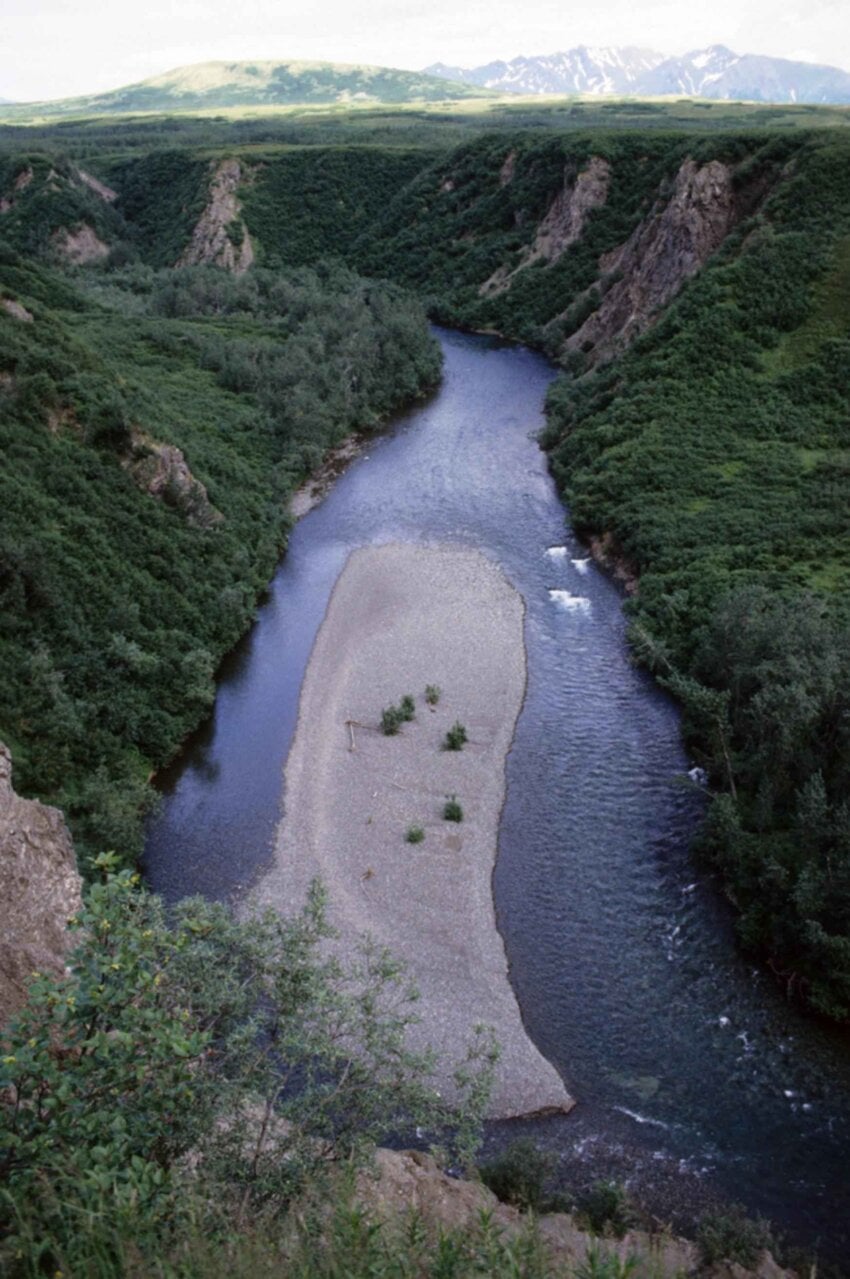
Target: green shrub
pixel 604 1265
pixel 519 1175
pixel 455 737
pixel 432 694
pixel 165 1038
pixel 407 707
pixel 606 1209
pixel 733 1236
pixel 391 721
pixel 452 811
pixel 414 834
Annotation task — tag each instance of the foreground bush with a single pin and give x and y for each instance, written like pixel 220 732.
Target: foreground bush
pixel 204 1068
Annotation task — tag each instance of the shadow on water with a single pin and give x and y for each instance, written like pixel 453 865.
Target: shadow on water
pixel 694 1078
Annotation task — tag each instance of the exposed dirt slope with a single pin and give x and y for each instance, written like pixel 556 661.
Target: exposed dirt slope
pixel 39 889
pixel 665 250
pixel 220 237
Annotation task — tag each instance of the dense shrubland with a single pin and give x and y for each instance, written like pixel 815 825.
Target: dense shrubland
pixel 462 219
pixel 115 608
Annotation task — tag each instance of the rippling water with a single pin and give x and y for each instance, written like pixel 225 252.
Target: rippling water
pixel 686 1061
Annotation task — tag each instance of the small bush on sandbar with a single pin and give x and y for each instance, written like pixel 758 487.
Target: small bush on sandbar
pixel 432 694
pixel 391 721
pixel 455 737
pixel 407 707
pixel 452 812
pixel 414 834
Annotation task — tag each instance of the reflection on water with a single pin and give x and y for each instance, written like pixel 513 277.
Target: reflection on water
pixel 685 1059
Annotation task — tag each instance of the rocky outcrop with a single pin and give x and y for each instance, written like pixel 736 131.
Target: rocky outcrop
pixel 220 237
pixel 80 246
pixel 39 890
pixel 161 470
pixel 21 182
pixel 94 184
pixel 566 218
pixel 609 556
pixel 405 1182
pixel 17 310
pixel 564 221
pixel 663 252
pixel 506 173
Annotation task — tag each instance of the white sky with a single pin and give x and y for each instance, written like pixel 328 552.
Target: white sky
pixel 59 48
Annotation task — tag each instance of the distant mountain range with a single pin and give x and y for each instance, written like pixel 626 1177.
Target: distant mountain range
pixel 217 85
pixel 715 72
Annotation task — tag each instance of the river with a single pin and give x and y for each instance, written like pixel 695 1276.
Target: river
pixel 694 1078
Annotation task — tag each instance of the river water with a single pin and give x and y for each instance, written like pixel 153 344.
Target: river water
pixel 694 1077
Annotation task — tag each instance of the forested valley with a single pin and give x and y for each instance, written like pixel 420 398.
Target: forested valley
pixel 158 408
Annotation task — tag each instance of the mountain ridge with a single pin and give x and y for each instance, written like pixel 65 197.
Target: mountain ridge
pixel 269 82
pixel 713 72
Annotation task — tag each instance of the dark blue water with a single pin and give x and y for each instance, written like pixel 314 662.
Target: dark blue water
pixel 688 1065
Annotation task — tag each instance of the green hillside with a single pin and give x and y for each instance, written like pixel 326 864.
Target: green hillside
pixel 122 585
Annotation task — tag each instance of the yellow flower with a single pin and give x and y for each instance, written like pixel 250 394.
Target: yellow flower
pixel 9 1061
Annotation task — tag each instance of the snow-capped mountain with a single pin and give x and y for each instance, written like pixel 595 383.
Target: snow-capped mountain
pixel 715 72
pixel 580 70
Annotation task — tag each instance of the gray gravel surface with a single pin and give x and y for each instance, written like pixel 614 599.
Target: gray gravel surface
pixel 401 617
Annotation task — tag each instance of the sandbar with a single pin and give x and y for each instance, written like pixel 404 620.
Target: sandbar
pixel 401 617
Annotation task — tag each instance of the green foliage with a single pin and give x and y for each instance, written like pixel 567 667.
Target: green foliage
pixel 520 1173
pixel 116 608
pixel 414 835
pixel 606 1265
pixel 47 196
pixel 161 197
pixel 732 1236
pixel 452 810
pixel 391 720
pixel 240 1044
pixel 432 694
pixel 306 204
pixel 607 1209
pixel 393 717
pixel 455 737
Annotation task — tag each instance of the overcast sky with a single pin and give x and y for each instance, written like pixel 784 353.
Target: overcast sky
pixel 57 48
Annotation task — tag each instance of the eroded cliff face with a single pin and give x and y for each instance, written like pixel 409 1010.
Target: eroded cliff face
pixel 39 890
pixel 664 251
pixel 161 470
pixel 220 237
pixel 563 223
pixel 80 245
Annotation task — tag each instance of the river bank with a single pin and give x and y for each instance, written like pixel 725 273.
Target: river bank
pixel 402 617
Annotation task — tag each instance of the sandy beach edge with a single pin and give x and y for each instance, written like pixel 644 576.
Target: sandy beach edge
pixel 402 616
